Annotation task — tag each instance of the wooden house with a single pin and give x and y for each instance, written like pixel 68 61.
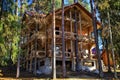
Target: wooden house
pixel 37 37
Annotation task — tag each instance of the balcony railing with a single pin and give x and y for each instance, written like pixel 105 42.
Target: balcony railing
pixel 59 54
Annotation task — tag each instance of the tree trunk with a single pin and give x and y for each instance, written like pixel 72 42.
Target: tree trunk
pixel 96 38
pixel 18 62
pixel 75 1
pixel 36 44
pixel 112 47
pixel 21 8
pixel 76 40
pixel 108 58
pixel 63 42
pixel 16 7
pixel 54 45
pixel 18 66
pixel 1 9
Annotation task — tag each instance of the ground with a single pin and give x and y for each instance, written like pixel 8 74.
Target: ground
pixel 10 73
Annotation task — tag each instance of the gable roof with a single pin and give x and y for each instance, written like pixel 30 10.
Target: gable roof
pixel 72 6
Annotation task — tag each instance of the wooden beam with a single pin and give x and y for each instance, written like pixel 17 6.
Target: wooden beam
pixel 73 55
pixel 80 22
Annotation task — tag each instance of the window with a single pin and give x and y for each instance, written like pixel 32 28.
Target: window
pixel 57 32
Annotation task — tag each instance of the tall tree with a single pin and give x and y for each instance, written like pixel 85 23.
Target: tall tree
pixel 63 42
pixel 111 41
pixel 9 33
pixel 76 40
pixel 93 10
pixel 111 7
pixel 54 42
pixel 1 9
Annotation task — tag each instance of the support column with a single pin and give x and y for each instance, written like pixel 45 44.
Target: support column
pixel 26 65
pixel 89 55
pixel 38 64
pixel 36 47
pixel 72 52
pixel 80 21
pixel 30 69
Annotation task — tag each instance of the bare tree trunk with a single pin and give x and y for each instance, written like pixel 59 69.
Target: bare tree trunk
pixel 18 66
pixel 76 41
pixel 18 63
pixel 1 9
pixel 63 42
pixel 96 39
pixel 108 58
pixel 75 1
pixel 54 43
pixel 36 44
pixel 16 7
pixel 76 38
pixel 112 47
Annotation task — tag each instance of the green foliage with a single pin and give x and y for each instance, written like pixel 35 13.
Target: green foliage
pixel 41 6
pixel 46 5
pixel 58 4
pixel 113 8
pixel 9 32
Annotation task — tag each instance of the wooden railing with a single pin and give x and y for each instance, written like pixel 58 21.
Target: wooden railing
pixel 39 54
pixel 85 38
pixel 67 54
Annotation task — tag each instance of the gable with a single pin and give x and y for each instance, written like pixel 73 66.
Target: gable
pixel 86 17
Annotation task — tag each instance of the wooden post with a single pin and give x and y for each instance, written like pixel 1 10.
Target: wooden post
pixel 96 39
pixel 30 64
pixel 35 59
pixel 73 55
pixel 80 34
pixel 54 43
pixel 38 64
pixel 89 55
pixel 46 41
pixel 63 42
pixel 30 69
pixel 27 64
